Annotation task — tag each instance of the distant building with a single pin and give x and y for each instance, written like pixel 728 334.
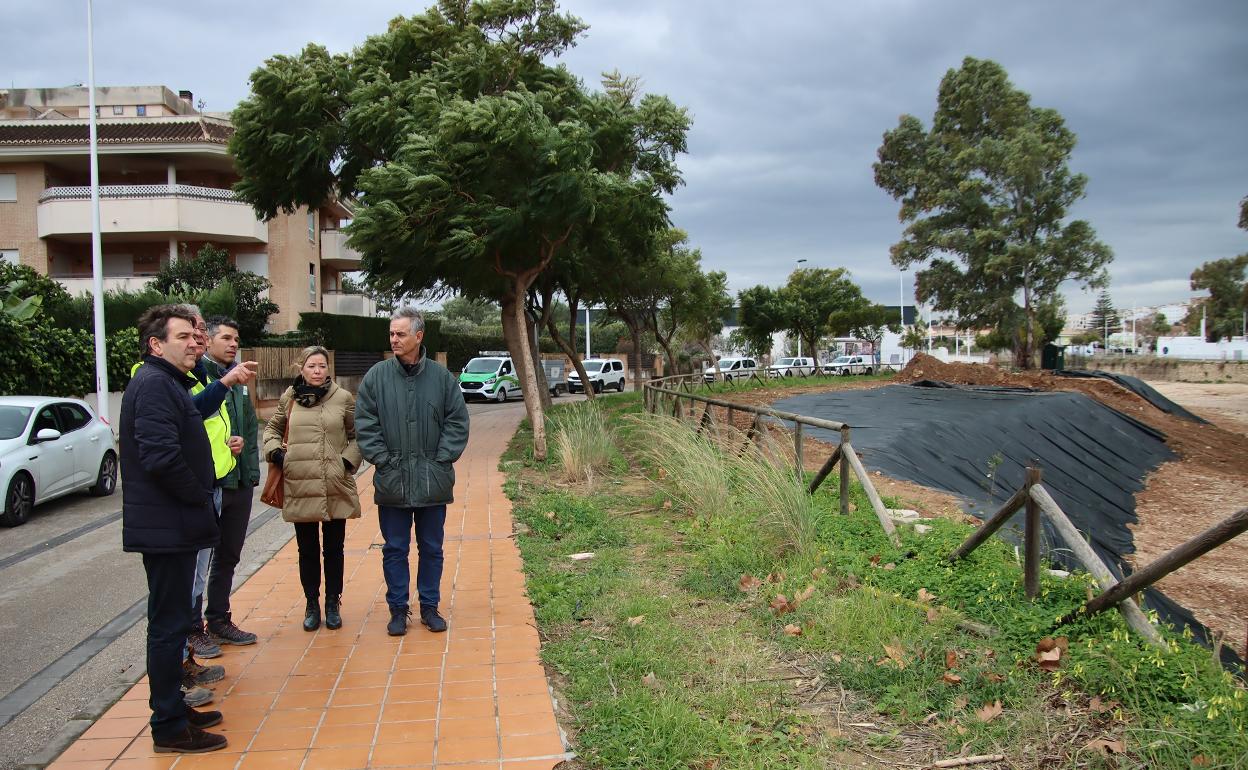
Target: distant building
pixel 165 190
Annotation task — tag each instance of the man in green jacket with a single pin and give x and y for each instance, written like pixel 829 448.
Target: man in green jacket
pixel 236 486
pixel 411 422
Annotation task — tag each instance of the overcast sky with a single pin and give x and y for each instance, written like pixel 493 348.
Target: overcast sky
pixel 789 106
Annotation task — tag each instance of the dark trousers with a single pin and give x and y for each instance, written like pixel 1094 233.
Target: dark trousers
pixel 396 530
pixel 169 578
pixel 235 514
pixel 311 550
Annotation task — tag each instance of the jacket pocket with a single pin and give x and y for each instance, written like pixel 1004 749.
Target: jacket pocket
pixel 388 483
pixel 441 482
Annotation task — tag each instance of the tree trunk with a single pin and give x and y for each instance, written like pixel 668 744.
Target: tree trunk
pixel 569 349
pixel 634 331
pixel 539 373
pixel 515 330
pixel 1029 338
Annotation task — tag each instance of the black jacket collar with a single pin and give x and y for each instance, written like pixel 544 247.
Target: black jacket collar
pixel 168 368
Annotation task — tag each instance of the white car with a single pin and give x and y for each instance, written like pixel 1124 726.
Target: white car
pixel 51 447
pixel 733 368
pixel 603 373
pixel 792 367
pixel 846 365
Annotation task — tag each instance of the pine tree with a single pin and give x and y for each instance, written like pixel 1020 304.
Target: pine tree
pixel 1105 319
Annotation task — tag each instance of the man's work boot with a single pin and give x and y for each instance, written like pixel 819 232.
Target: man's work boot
pixel 203 719
pixel 225 632
pixel 312 615
pixel 194 695
pixel 398 621
pixel 430 618
pixel 192 741
pixel 193 673
pixel 333 616
pixel 202 644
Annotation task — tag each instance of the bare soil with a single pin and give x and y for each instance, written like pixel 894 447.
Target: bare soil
pixel 1207 483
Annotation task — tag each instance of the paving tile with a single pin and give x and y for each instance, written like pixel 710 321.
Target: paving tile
pixel 344 735
pixel 350 758
pixel 282 719
pixel 415 754
pixel 410 712
pixel 116 727
pixel 162 762
pixel 468 750
pixel 540 745
pixel 271 760
pixel 458 729
pixel 95 749
pixel 407 732
pixel 352 715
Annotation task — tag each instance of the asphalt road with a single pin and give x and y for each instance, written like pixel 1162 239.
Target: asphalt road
pixel 73 610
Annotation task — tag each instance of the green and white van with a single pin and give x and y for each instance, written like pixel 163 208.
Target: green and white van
pixel 489 378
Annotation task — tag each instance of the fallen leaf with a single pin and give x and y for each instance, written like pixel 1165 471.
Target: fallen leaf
pixel 748 583
pixel 650 680
pixel 803 595
pixel 961 730
pixel 637 621
pixel 989 712
pixel 924 596
pixel 775 577
pixel 933 615
pixel 1100 707
pixel 1049 652
pixel 667 504
pixel 550 515
pixel 781 605
pixel 890 565
pixel 991 677
pixel 875 560
pixel 896 654
pixel 951 659
pixel 818 572
pixel 1200 760
pixel 662 473
pixel 1105 746
pixel 949 678
pixel 792 630
pixel 960 702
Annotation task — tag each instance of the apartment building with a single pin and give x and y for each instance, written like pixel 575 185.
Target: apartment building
pixel 165 190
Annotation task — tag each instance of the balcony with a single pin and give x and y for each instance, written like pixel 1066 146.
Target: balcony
pixel 150 212
pixel 342 303
pixel 336 254
pixel 77 284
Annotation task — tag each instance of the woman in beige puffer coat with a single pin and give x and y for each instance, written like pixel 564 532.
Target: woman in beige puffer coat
pixel 318 459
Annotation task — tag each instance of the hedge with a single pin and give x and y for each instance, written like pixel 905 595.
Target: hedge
pixel 360 333
pixel 39 359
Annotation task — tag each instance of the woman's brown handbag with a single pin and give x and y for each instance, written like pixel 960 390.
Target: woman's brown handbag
pixel 274 492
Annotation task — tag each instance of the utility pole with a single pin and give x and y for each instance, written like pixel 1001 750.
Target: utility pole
pixel 97 259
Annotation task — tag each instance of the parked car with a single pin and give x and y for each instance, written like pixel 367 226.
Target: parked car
pixel 603 373
pixel 731 368
pixel 51 447
pixel 792 367
pixel 846 365
pixel 489 377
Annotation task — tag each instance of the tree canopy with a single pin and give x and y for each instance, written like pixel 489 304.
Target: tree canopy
pixel 814 303
pixel 210 273
pixel 985 194
pixel 476 163
pixel 1105 318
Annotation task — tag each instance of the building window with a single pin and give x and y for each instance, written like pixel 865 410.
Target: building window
pixel 312 226
pixel 10 257
pixel 141 110
pixel 312 284
pixel 8 187
pixel 119 109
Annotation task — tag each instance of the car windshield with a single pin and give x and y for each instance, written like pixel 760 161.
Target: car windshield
pixel 13 420
pixel 841 360
pixel 786 362
pixel 592 366
pixel 483 365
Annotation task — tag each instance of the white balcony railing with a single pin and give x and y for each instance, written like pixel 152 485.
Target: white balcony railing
pixel 77 284
pixel 185 212
pixel 348 304
pixel 336 253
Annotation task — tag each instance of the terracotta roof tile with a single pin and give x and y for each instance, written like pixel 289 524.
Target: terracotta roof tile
pixel 157 131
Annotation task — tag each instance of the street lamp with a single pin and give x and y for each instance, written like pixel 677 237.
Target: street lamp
pixel 799 336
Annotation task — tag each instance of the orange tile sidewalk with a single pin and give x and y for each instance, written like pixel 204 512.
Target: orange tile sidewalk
pixel 474 697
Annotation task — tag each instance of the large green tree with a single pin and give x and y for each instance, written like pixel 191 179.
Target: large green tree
pixel 1105 318
pixel 1223 311
pixel 209 271
pixel 477 164
pixel 985 194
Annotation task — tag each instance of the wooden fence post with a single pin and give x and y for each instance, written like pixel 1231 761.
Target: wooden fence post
pixel 881 513
pixel 797 450
pixel 1031 536
pixel 844 472
pixel 824 471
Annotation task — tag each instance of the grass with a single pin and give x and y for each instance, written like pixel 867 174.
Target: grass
pixel 665 662
pixel 584 442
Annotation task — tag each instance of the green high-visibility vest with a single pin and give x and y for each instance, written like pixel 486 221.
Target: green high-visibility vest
pixel 218 427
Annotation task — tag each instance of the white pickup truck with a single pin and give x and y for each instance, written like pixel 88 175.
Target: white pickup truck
pixel 792 367
pixel 846 365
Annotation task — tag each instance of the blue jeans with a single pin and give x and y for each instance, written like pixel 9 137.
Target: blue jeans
pixel 396 529
pixel 169 577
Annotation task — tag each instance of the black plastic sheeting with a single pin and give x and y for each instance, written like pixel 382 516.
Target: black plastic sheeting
pixel 976 443
pixel 1139 388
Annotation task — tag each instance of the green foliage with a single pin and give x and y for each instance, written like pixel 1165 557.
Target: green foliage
pixel 349 332
pixel 206 272
pixel 1105 318
pixel 986 194
pixel 470 312
pixel 460 348
pixel 584 443
pixel 813 303
pixel 123 352
pixel 21 282
pixel 14 305
pixel 1224 310
pixel 38 358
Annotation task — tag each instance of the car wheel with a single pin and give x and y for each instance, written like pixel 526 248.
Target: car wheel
pixel 598 386
pixel 18 501
pixel 868 370
pixel 619 386
pixel 500 395
pixel 106 479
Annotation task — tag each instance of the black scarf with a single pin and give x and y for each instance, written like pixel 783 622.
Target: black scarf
pixel 307 395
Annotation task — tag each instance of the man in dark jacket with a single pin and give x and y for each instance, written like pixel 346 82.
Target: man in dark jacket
pixel 167 514
pixel 411 422
pixel 237 486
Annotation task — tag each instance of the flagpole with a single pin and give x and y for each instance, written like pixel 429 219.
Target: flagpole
pixel 97 259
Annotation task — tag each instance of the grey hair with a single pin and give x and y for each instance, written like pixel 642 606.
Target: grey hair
pixel 187 307
pixel 414 316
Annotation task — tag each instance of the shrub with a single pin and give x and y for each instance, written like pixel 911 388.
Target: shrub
pixel 349 332
pixel 583 441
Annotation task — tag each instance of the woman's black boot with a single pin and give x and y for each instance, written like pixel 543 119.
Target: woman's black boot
pixel 312 616
pixel 333 620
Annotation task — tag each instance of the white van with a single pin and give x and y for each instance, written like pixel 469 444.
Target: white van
pixel 489 377
pixel 792 367
pixel 731 368
pixel 603 373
